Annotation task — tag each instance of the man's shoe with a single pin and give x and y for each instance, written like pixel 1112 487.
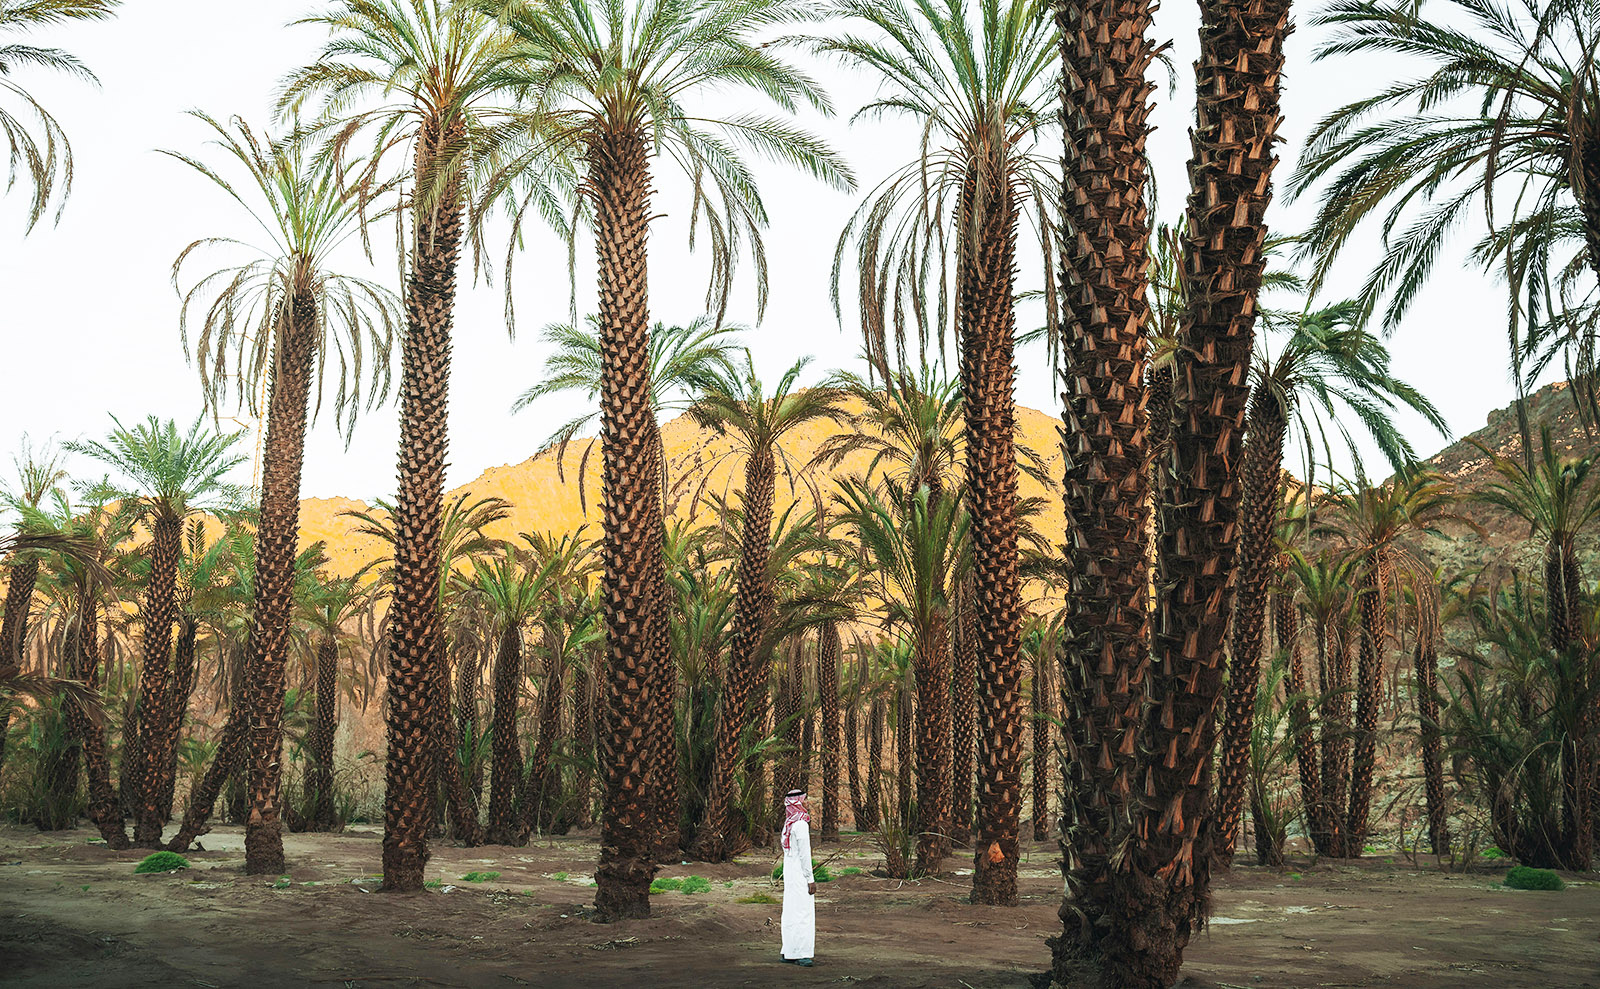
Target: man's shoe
pixel 803 962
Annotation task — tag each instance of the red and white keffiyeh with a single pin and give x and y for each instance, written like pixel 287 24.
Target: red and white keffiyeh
pixel 794 809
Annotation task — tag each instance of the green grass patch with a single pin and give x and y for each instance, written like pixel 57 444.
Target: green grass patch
pixel 757 898
pixel 561 877
pixel 688 885
pixel 433 884
pixel 819 873
pixel 1523 877
pixel 161 862
pixel 851 870
pixel 480 877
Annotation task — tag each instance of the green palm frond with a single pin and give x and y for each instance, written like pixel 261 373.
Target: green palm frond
pixel 167 473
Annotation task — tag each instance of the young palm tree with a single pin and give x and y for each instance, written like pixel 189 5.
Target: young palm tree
pixel 981 95
pixel 1557 499
pixel 757 420
pixel 168 476
pixel 327 605
pixel 1327 362
pixel 38 475
pixel 42 156
pixel 439 69
pixel 616 83
pixel 915 544
pixel 280 314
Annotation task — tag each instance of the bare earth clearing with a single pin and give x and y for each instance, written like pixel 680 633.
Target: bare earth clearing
pixel 74 914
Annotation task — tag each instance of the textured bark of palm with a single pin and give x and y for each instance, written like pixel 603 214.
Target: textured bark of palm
pixel 1039 728
pixel 105 810
pixel 183 673
pixel 744 697
pixel 461 802
pixel 933 748
pixel 1287 630
pixel 540 792
pixel 619 182
pixel 904 759
pixel 1369 684
pixel 828 656
pixel 860 818
pixel 278 538
pixel 505 772
pixel 155 681
pixel 231 750
pixel 1426 665
pixel 469 684
pixel 963 713
pixel 1107 421
pixel 23 575
pixel 578 811
pixel 663 724
pixel 1333 653
pixel 1165 890
pixel 415 639
pixel 1564 588
pixel 1260 474
pixel 319 775
pixel 875 764
pixel 988 220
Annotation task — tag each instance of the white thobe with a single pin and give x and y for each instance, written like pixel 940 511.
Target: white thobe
pixel 799 907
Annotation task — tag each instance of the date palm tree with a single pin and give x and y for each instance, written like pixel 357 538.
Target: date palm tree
pixel 617 84
pixel 1327 364
pixel 915 544
pixel 757 420
pixel 166 476
pixel 327 605
pixel 280 312
pixel 40 153
pixel 437 71
pixel 38 474
pixel 980 92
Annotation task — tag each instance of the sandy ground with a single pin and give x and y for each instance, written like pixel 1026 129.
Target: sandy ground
pixel 73 913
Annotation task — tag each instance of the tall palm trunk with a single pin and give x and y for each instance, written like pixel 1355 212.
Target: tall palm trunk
pixel 1369 684
pixel 861 819
pixel 903 758
pixel 1286 628
pixel 828 653
pixel 1426 665
pixel 14 627
pixel 320 773
pixel 277 540
pixel 747 670
pixel 1334 643
pixel 505 773
pixel 933 745
pixel 1260 474
pixel 415 640
pixel 183 673
pixel 583 734
pixel 963 713
pixel 469 684
pixel 988 219
pixel 1166 894
pixel 461 801
pixel 542 791
pixel 105 810
pixel 1040 727
pixel 155 681
pixel 1109 418
pixel 619 181
pixel 875 729
pixel 663 724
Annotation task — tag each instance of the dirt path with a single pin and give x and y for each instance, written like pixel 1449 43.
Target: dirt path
pixel 73 914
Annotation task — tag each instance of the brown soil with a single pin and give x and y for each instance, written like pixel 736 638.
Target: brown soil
pixel 73 913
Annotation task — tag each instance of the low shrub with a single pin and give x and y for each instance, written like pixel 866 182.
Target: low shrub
pixel 480 877
pixel 757 898
pixel 688 885
pixel 1523 877
pixel 819 873
pixel 161 862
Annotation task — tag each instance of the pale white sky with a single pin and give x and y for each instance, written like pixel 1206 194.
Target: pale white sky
pixel 89 326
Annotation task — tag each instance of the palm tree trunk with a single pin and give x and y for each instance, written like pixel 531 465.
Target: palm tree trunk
pixel 321 771
pixel 963 713
pixel 828 654
pixel 505 774
pixel 933 746
pixel 183 672
pixel 1255 563
pixel 1426 664
pixel 1040 725
pixel 619 181
pixel 1164 898
pixel 415 641
pixel 903 757
pixel 276 543
pixel 105 810
pixel 988 218
pixel 543 791
pixel 469 684
pixel 859 815
pixel 1369 683
pixel 14 627
pixel 584 740
pixel 875 765
pixel 461 802
pixel 160 607
pixel 1286 627
pixel 1115 420
pixel 747 670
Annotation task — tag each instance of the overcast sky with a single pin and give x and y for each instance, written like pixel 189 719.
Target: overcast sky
pixel 89 324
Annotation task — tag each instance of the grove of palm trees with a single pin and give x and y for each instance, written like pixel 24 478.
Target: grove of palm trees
pixel 800 395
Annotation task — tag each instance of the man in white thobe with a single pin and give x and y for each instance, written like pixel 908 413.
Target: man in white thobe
pixel 799 885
